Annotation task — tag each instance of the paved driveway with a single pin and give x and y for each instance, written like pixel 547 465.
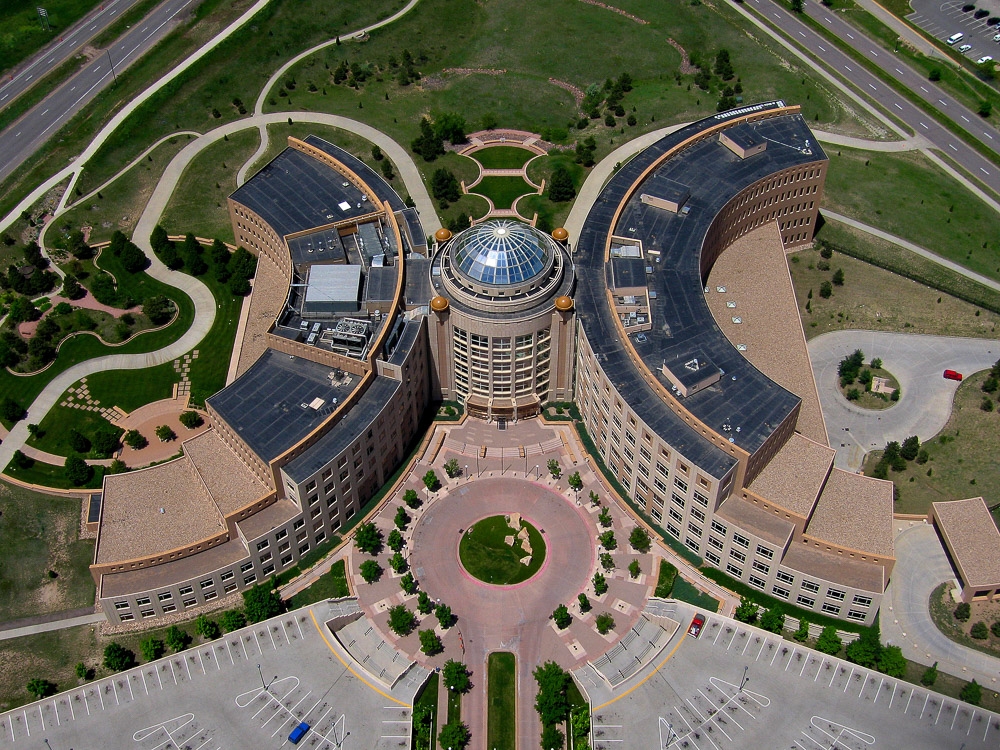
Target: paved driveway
pixel 921 565
pixel 917 362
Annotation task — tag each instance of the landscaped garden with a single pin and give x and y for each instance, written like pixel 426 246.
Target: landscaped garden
pixel 501 695
pixel 496 553
pixel 502 191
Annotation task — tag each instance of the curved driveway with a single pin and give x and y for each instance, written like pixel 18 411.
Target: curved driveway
pixel 921 565
pixel 917 362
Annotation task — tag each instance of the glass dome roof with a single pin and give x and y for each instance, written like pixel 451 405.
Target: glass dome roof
pixel 501 251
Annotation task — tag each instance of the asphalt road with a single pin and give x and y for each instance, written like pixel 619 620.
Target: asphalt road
pixel 22 138
pixel 921 564
pixel 873 87
pixel 917 362
pixel 23 76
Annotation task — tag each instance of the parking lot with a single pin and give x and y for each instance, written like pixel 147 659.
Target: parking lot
pixel 248 689
pixel 736 687
pixel 942 19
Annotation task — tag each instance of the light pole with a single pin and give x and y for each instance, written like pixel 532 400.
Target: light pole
pixel 467 477
pixel 112 68
pixel 745 680
pixel 262 683
pixel 536 472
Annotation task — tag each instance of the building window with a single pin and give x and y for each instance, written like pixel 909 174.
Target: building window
pixel 836 595
pixel 190 602
pixel 697 514
pixel 675 515
pixel 713 558
pixel 780 592
pixel 228 575
pixel 673 530
pixel 761 567
pixel 700 499
pixel 863 601
pixel 758 582
pixel 831 609
pixel 301 536
pixel 303 549
pixel 142 602
pixel 656 514
pixel 734 571
pixel 737 555
pixel 716 526
pixel 810 586
pixel 243 569
pixel 852 614
pixel 231 588
pixel 169 607
pixel 121 605
pixel 741 540
pixel 185 590
pixel 211 595
pixel 268 570
pixel 148 613
pixel 784 577
pixel 696 530
pixel 281 534
pixel 286 560
pixel 299 524
pixel 320 537
pixel 165 596
pixel 712 541
pixel 692 543
pixel 262 545
pixel 805 601
pixel 765 552
pixel 127 617
pixel 680 483
pixel 677 500
pixel 249 579
pixel 265 557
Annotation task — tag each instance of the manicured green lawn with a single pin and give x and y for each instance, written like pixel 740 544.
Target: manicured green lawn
pixel 685 592
pixel 198 204
pixel 51 475
pixel 666 577
pixel 332 585
pixel 427 702
pixel 454 707
pixel 503 157
pixel 41 533
pixel 937 213
pixel 503 191
pixel 501 695
pixel 485 555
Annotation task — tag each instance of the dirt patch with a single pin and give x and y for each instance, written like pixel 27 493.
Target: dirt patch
pixel 576 91
pixel 686 67
pixel 619 11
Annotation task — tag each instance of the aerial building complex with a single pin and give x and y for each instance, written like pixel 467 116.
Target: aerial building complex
pixel 356 325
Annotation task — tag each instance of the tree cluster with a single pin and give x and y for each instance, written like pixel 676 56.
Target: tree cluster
pixel 445 187
pixel 610 95
pixel 561 188
pixel 446 126
pixel 896 456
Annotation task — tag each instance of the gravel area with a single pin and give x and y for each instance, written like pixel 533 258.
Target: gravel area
pixel 231 484
pixel 855 511
pixel 270 288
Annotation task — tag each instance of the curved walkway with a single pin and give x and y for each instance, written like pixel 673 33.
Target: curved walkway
pixel 258 107
pixel 200 294
pixel 917 362
pixel 921 565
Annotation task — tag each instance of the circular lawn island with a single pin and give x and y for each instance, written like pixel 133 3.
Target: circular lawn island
pixel 502 550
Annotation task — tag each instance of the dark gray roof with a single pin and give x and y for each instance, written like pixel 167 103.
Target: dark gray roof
pixel 418 281
pixel 369 176
pixel 265 404
pixel 356 421
pixel 381 283
pixel 324 246
pixel 744 135
pixel 682 322
pixel 295 192
pixel 627 272
pixel 407 337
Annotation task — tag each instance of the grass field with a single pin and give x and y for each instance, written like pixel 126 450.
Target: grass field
pixel 685 592
pixel 882 189
pixel 41 533
pixel 501 696
pixel 198 204
pixel 502 157
pixel 869 400
pixel 872 298
pixel 331 585
pixel 23 34
pixel 503 191
pixel 427 700
pixel 942 608
pixel 485 554
pixel 54 475
pixel 962 456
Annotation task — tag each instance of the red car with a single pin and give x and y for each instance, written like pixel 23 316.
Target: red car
pixel 696 625
pixel 952 375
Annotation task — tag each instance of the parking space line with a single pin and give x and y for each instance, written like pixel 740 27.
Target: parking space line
pixel 834 676
pixel 275 645
pixel 128 681
pixel 144 686
pixel 805 663
pixel 893 696
pixel 230 653
pixel 881 683
pixel 172 673
pixel 202 662
pixel 72 712
pixel 59 723
pixel 790 659
pixel 100 694
pixel 259 649
pixel 820 669
pixel 117 702
pixel 746 646
pixel 42 718
pixel 26 727
pixel 865 682
pixel 971 720
pixel 954 718
pixel 244 646
pixel 774 657
pixel 762 645
pixel 695 709
pixel 940 710
pixel 299 626
pixel 848 683
pixel 735 631
pixel 86 702
pixel 188 668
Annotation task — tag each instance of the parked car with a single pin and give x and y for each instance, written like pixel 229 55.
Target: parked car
pixel 984 59
pixel 952 375
pixel 696 626
pixel 996 37
pixel 957 36
pixel 965 48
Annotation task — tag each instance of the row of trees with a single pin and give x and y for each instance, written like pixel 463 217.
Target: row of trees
pixel 446 126
pixel 232 268
pixel 896 456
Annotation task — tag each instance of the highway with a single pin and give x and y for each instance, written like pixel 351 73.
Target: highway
pixel 23 137
pixel 26 74
pixel 874 88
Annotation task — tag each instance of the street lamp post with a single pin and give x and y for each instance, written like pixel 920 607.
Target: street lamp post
pixel 745 680
pixel 536 472
pixel 467 477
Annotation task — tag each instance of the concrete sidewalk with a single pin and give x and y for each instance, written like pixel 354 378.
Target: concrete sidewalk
pixel 47 627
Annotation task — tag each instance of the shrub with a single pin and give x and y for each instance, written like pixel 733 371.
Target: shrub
pixel 829 642
pixel 826 290
pixel 135 440
pixel 634 569
pixel 665 583
pixel 206 628
pixel 600 584
pixel 431 481
pixel 604 517
pixel 151 648
pixel 444 615
pixel 401 620
pixel 84 672
pixel 456 676
pixel 584 602
pixel 10 410
pixel 747 611
pixel 454 735
pixel 165 433
pixel 452 469
pixel 554 469
pixel 604 623
pixel 963 612
pixel 562 617
pixel 607 562
pixel 979 631
pixel 191 419
pixel 402 519
pixel 176 638
pixel 929 677
pixel 395 540
pixel 552 736
pixel 802 633
pixel 639 539
pixel 995 628
pixel 262 602
pixel 425 605
pixel 972 693
pixel 607 540
pixel 411 498
pixel 551 701
pixel 430 643
pixel 41 688
pixel 77 471
pixel 368 539
pixel 773 619
pixel 371 571
pixel 117 658
pixel 892 662
pixel 397 562
pixel 408 583
pixel 232 619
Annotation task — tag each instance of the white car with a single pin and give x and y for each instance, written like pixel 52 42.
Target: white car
pixel 984 59
pixel 965 48
pixel 996 37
